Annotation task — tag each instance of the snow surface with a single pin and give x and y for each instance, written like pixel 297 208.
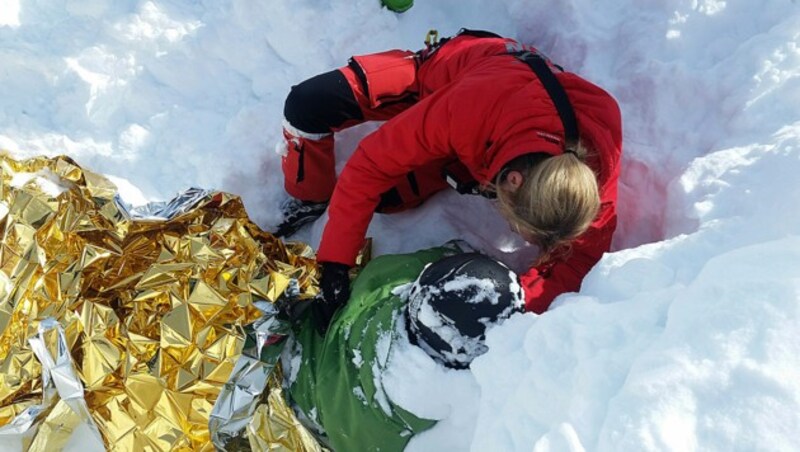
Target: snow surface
pixel 46 181
pixel 416 382
pixel 686 338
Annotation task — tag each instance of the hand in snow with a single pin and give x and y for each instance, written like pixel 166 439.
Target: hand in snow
pixel 335 290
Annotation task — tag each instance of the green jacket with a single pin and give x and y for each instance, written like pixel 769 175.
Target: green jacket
pixel 336 385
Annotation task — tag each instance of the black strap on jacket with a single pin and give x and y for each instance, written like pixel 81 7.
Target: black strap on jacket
pixel 466 184
pixel 557 94
pixel 539 66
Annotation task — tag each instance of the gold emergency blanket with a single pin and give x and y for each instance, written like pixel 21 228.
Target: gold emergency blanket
pixel 152 312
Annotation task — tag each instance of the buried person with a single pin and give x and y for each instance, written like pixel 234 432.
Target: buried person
pixel 432 299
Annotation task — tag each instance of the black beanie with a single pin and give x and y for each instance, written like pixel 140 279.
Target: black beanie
pixel 453 301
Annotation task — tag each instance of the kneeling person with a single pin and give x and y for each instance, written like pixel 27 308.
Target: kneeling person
pixel 441 303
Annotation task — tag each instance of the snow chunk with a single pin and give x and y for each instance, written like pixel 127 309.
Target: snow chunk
pixel 47 181
pixel 417 383
pixel 359 393
pixel 380 395
pixel 358 360
pixel 484 289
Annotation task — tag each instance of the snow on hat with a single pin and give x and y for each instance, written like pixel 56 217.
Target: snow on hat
pixel 454 300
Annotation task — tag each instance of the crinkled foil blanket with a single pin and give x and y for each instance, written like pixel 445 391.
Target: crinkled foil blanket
pixel 154 329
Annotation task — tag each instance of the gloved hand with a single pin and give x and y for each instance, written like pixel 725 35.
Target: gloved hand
pixel 334 292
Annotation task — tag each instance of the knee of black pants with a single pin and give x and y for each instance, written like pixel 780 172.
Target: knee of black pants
pixel 321 104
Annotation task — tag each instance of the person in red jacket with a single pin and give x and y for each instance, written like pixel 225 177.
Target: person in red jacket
pixel 478 112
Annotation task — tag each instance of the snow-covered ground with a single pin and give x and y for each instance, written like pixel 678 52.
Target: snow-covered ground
pixel 687 337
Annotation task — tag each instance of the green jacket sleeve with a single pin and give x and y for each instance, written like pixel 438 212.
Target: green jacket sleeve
pixel 338 384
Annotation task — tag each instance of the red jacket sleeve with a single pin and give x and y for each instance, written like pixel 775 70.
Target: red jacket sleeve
pixel 381 160
pixel 544 283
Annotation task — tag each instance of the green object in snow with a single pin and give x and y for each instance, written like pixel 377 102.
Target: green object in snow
pixel 398 6
pixel 338 384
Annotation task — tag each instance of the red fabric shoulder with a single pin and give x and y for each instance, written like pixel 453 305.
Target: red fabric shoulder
pixel 454 59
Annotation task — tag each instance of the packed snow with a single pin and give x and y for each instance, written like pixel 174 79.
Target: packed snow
pixel 686 337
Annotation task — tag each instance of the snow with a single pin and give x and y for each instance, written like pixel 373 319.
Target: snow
pixel 382 351
pixel 686 337
pixel 357 360
pixel 9 14
pixel 413 380
pixel 380 393
pixel 359 393
pixel 705 366
pixel 291 360
pixel 47 181
pixel 484 288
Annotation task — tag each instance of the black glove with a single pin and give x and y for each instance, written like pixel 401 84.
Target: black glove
pixel 334 291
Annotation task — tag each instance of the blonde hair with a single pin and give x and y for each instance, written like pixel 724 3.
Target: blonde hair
pixel 557 201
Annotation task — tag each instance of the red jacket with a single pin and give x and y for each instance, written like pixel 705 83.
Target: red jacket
pixel 483 107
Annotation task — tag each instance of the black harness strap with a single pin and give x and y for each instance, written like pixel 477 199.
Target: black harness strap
pixel 557 94
pixel 539 66
pixel 465 184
